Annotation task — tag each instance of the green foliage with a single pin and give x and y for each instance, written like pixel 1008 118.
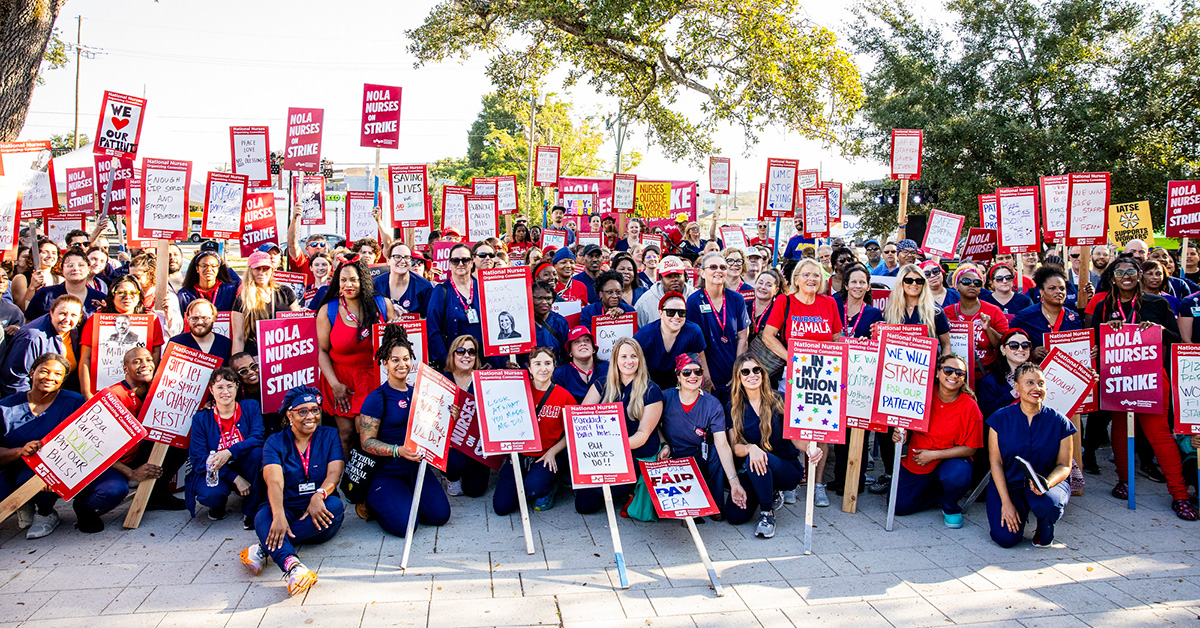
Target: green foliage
pixel 753 63
pixel 67 140
pixel 55 56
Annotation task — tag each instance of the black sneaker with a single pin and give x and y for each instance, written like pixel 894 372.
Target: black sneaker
pixel 248 523
pixel 1152 473
pixel 87 520
pixel 166 502
pixel 216 513
pixel 882 485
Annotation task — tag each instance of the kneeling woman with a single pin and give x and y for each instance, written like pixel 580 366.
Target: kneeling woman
pixel 540 469
pixel 301 468
pixel 382 429
pixel 937 469
pixel 234 430
pixel 1042 437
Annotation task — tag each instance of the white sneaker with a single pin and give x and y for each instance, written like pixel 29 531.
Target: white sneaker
pixel 789 497
pixel 42 526
pixel 820 499
pixel 25 515
pixel 254 559
pixel 454 489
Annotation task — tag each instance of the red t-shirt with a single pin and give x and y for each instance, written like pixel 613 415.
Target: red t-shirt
pixel 131 402
pixel 816 321
pixel 769 242
pixel 550 418
pixel 1095 302
pixel 574 291
pixel 985 353
pixel 301 266
pixel 958 423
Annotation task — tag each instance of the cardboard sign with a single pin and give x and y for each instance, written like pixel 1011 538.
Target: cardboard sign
pixel 380 117
pixel 733 236
pixel 546 166
pixel 1054 207
pixel 506 302
pixel 120 126
pixel 482 222
pixel 556 238
pixel 782 195
pixel 304 127
pixel 464 433
pixel 608 329
pixel 679 488
pixel 260 224
pixel 862 368
pixel 987 212
pixel 981 245
pixel 1077 344
pixel 506 421
pixel 1183 209
pixel 454 208
pixel 1068 382
pixel 86 444
pixel 250 154
pixel 179 386
pixel 360 216
pixel 133 222
pixel 962 343
pixel 29 169
pixel 112 336
pixel 311 198
pixel 1131 221
pixel 1185 387
pixel 1131 370
pixel 904 387
pixel 410 195
pixel 816 391
pixel 430 415
pixel 118 197
pixel 224 201
pixel 942 232
pixel 57 228
pixel 164 210
pixel 598 445
pixel 287 357
pixel 835 201
pixel 624 189
pixel 1017 215
pixel 81 195
pixel 418 337
pixel 816 213
pixel 718 175
pixel 1087 208
pixel 507 199
pixel 907 145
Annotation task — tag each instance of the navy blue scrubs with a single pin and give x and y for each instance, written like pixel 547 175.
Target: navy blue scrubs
pixel 590 500
pixel 569 377
pixel 598 309
pixel 1033 322
pixel 205 437
pixel 299 485
pixel 414 300
pixel 19 425
pixel 661 362
pixel 721 328
pixel 1037 441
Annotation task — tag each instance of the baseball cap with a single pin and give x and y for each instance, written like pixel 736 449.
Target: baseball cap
pixel 210 246
pixel 258 259
pixel 576 333
pixel 670 265
pixel 875 242
pixel 451 231
pixel 681 217
pixel 267 246
pixel 754 251
pixel 588 250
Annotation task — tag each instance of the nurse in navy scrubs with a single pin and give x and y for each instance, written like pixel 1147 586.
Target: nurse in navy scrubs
pixel 667 338
pixel 721 315
pixel 301 468
pixel 454 306
pixel 1050 314
pixel 234 430
pixel 407 290
pixel 583 370
pixel 609 287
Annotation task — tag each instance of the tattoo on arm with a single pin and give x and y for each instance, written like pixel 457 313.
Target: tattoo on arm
pixel 368 430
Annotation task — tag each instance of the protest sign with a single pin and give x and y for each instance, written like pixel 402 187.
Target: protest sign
pixel 762 202
pixel 835 201
pixel 987 212
pixel 578 203
pixel 260 224
pixel 179 386
pixel 440 256
pixel 1087 208
pixel 678 488
pixel 598 445
pixel 454 208
pixel 733 236
pixel 505 406
pixel 116 195
pixel 556 238
pixel 81 195
pixel 941 233
pixel 1185 387
pixel 781 192
pixel 570 310
pixel 907 145
pixel 250 154
pixel 981 245
pixel 624 189
pixel 10 200
pixel 418 336
pixel 57 228
pixel 1017 215
pixel 380 116
pixel 652 201
pixel 430 416
pixel 585 239
pixel 816 213
pixel 816 391
pixel 880 296
pixel 608 329
pixel 29 168
pixel 304 127
pixel 1068 382
pixel 481 218
pixel 464 433
pixel 654 239
pixel 1131 369
pixel 287 357
pixel 904 387
pixel 360 216
pixel 1183 209
pixel 483 186
pixel 547 166
pixel 1054 206
pixel 807 179
pixel 311 198
pixel 120 126
pixel 963 340
pixel 862 367
pixel 507 199
pixel 224 201
pixel 135 239
pixel 410 195
pixel 506 302
pixel 1078 344
pixel 164 211
pixel 294 281
pixel 718 175
pixel 112 336
pixel 681 198
pixel 1131 221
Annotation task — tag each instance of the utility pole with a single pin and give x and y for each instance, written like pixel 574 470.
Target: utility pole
pixel 532 127
pixel 78 34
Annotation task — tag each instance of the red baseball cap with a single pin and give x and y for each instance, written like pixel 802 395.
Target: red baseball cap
pixel 576 333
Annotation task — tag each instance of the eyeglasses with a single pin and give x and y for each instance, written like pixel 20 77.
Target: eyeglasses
pixel 721 267
pixel 971 283
pixel 1002 278
pixel 400 259
pixel 697 371
pixel 459 261
pixel 674 312
pixel 1015 345
pixel 753 370
pixel 199 319
pixel 464 351
pixel 950 370
pixel 914 281
pixel 485 255
pixel 208 266
pixel 933 272
pixel 1128 272
pixel 311 412
pixel 733 261
pixel 246 370
pixel 126 294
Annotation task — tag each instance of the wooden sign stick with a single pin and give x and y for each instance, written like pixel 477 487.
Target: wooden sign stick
pixel 1129 460
pixel 891 515
pixel 616 536
pixel 24 493
pixel 809 498
pixel 853 462
pixel 708 566
pixel 902 216
pixel 412 514
pixel 518 477
pixel 1085 274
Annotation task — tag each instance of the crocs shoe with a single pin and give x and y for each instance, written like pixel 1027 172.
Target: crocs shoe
pixel 300 578
pixel 254 559
pixel 1182 507
pixel 953 521
pixel 1121 491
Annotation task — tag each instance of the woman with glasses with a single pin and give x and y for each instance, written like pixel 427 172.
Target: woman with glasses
pixel 988 321
pixel 407 290
pixel 124 297
pixel 667 338
pixel 633 236
pixel 648 262
pixel 227 438
pixel 943 296
pixel 1049 314
pixel 454 305
pixel 735 259
pixel 721 315
pixel 999 291
pixel 550 328
pixel 631 287
pixel 609 286
pixel 937 469
pixel 465 475
pixel 75 273
pixel 208 278
pixel 259 299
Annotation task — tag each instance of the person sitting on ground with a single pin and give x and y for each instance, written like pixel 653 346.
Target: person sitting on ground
pixel 229 438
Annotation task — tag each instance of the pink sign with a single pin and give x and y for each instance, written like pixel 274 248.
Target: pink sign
pixel 259 225
pixel 1131 369
pixel 942 232
pixel 907 145
pixel 81 196
pixel 380 116
pixel 683 196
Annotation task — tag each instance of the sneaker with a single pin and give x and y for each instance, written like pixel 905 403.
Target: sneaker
pixel 545 502
pixel 789 497
pixel 254 558
pixel 881 485
pixel 454 488
pixel 216 513
pixel 766 525
pixel 87 520
pixel 300 578
pixel 1121 491
pixel 43 525
pixel 777 502
pixel 820 498
pixel 1152 473
pixel 25 515
pixel 248 523
pixel 1182 507
pixel 870 465
pixel 953 521
pixel 1049 545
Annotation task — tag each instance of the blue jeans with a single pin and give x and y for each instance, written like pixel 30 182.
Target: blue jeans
pixel 103 494
pixel 781 475
pixel 945 485
pixel 391 498
pixel 539 482
pixel 302 531
pixel 1046 508
pixel 249 467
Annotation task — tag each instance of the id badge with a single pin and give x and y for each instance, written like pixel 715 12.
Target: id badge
pixel 705 308
pixel 473 317
pixel 704 450
pixel 307 488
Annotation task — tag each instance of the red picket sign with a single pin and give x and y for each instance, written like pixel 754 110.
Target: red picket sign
pixel 1131 369
pixel 505 408
pixel 904 388
pixel 304 127
pixel 164 211
pixel 380 117
pixel 718 175
pixel 506 303
pixel 1068 382
pixel 179 385
pixel 120 127
pixel 224 202
pixel 250 154
pixel 679 488
pixel 429 417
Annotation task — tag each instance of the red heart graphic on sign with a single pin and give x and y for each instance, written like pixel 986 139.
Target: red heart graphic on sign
pixel 119 123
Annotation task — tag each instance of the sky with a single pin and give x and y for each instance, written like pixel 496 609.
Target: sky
pixel 205 66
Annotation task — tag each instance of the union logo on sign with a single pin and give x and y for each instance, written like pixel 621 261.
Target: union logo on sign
pixel 1129 220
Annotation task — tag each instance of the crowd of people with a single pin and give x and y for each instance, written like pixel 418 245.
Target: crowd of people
pixel 702 377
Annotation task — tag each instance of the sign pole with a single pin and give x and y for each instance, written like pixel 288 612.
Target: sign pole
pixel 708 566
pixel 108 185
pixel 809 497
pixel 518 477
pixel 902 218
pixel 24 493
pixel 775 249
pixel 412 514
pixel 1129 459
pixel 853 462
pixel 137 507
pixel 1085 274
pixel 616 536
pixel 891 516
pixel 1183 249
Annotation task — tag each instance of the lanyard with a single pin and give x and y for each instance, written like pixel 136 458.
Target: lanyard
pixel 1058 321
pixel 587 375
pixel 305 456
pixel 1122 310
pixel 720 315
pixel 858 319
pixel 466 302
pixel 566 288
pixel 233 419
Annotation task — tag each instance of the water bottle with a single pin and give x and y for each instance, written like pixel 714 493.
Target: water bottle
pixel 211 476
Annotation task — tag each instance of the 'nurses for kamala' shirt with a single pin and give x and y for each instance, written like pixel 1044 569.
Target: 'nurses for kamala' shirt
pixel 953 424
pixel 391 407
pixel 818 320
pixel 686 430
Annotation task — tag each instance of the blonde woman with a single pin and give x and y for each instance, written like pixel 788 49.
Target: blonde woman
pixel 259 299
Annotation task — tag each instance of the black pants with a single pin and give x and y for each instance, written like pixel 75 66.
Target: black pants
pixel 175 458
pixel 842 460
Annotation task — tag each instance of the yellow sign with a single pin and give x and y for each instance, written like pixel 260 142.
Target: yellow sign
pixel 652 200
pixel 1130 221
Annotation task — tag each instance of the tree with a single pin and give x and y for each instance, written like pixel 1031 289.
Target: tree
pixel 67 140
pixel 753 63
pixel 26 30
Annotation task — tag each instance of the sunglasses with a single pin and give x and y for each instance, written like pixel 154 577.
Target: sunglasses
pixel 753 370
pixel 459 261
pixel 1015 345
pixel 697 371
pixel 716 267
pixel 914 281
pixel 1075 256
pixel 950 370
pixel 872 248
pixel 1002 278
pixel 320 244
pixel 674 312
pixel 464 351
pixel 485 255
pixel 246 370
pixel 971 283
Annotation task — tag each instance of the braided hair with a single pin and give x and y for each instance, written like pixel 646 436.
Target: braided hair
pixel 393 336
